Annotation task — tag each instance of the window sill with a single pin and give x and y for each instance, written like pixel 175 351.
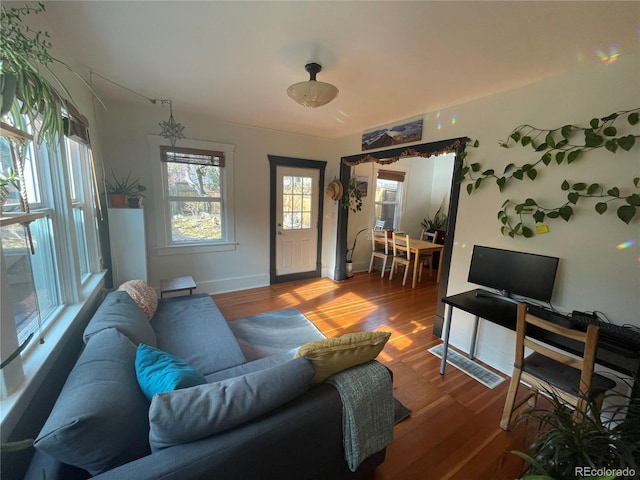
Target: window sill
pixel 37 358
pixel 190 249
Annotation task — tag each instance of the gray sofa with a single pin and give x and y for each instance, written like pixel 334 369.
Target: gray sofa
pixel 269 421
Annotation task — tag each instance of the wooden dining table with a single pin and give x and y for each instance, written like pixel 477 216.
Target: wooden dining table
pixel 417 248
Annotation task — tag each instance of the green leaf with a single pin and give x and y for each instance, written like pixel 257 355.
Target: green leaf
pixel 573 197
pixel 610 131
pixel 636 181
pixel 504 230
pixel 469 188
pixel 501 214
pixel 530 202
pixel 565 185
pixel 614 192
pixel 626 213
pixel 478 182
pixel 515 136
pixel 592 140
pixel 579 186
pixel 559 157
pixel 519 174
pixel 627 142
pixel 611 145
pixel 519 208
pixel 566 212
pixel 525 141
pixel 566 131
pixel 511 166
pixel 517 228
pixel 594 123
pixel 633 118
pixel 541 147
pixel 549 140
pixel 538 216
pixel 526 166
pixel 465 171
pixel 562 143
pixel 527 232
pixel 593 188
pixel 476 144
pixel 553 214
pixel 601 207
pixel 475 167
pixel 633 200
pixel 501 182
pixel 546 158
pixel 504 220
pixel 489 172
pixel 573 155
pixel 532 174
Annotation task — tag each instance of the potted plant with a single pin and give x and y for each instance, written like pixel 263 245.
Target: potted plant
pixel 438 222
pixel 603 439
pixel 24 57
pixel 133 198
pixel 120 189
pixel 349 256
pixel 352 198
pixel 8 178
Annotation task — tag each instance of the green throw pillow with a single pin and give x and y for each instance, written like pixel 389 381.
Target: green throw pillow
pixel 332 355
pixel 160 372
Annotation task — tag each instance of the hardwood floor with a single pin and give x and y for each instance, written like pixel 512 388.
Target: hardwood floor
pixel 453 432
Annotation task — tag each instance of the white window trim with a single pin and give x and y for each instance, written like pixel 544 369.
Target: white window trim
pixel 161 195
pixel 403 192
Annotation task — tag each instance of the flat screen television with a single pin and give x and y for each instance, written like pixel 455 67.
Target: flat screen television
pixel 514 273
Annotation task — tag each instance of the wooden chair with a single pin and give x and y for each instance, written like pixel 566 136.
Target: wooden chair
pixel 427 258
pixel 379 249
pixel 402 256
pixel 569 377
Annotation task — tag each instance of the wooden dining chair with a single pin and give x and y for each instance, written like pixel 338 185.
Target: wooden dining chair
pixel 402 256
pixel 379 249
pixel 567 376
pixel 427 258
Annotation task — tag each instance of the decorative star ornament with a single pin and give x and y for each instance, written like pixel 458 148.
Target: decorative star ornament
pixel 171 129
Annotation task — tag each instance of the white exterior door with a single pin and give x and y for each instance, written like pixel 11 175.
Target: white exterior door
pixel 296 220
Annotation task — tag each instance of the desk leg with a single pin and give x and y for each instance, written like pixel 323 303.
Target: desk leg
pixel 445 339
pixel 474 335
pixel 439 266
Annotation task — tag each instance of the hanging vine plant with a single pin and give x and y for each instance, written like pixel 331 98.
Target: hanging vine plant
pixel 564 144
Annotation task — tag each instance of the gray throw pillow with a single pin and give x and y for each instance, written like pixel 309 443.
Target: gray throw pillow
pixel 186 415
pixel 100 418
pixel 120 311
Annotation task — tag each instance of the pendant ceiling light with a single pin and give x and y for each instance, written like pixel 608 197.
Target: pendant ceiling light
pixel 312 93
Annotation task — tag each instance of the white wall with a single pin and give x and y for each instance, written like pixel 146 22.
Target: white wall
pixel 593 274
pixel 124 127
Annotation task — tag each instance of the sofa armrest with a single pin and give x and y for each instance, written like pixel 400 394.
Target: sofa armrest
pixel 300 440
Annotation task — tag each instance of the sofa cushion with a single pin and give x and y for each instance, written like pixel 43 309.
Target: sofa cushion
pixel 332 355
pixel 141 293
pixel 120 311
pixel 190 414
pixel 253 366
pixel 192 328
pixel 99 420
pixel 160 372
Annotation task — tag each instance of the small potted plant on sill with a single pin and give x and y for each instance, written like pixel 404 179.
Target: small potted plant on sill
pixel 120 189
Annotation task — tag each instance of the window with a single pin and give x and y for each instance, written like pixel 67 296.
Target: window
pixel 43 260
pixel 196 202
pixel 296 202
pixel 388 198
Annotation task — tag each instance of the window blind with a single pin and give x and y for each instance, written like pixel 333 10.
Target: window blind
pixel 391 175
pixel 192 156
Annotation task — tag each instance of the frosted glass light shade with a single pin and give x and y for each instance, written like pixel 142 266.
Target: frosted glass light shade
pixel 312 93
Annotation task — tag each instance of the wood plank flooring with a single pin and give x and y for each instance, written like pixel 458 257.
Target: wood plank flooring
pixel 453 432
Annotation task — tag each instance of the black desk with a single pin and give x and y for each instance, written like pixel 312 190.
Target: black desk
pixel 618 357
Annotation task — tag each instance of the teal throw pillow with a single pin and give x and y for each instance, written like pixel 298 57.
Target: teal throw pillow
pixel 160 372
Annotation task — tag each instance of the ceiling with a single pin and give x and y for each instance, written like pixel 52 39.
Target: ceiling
pixel 391 60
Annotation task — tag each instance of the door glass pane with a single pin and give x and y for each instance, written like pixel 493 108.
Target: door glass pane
pixel 296 202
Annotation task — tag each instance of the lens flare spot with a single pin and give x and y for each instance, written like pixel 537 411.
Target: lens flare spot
pixel 627 244
pixel 454 119
pixel 439 125
pixel 609 56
